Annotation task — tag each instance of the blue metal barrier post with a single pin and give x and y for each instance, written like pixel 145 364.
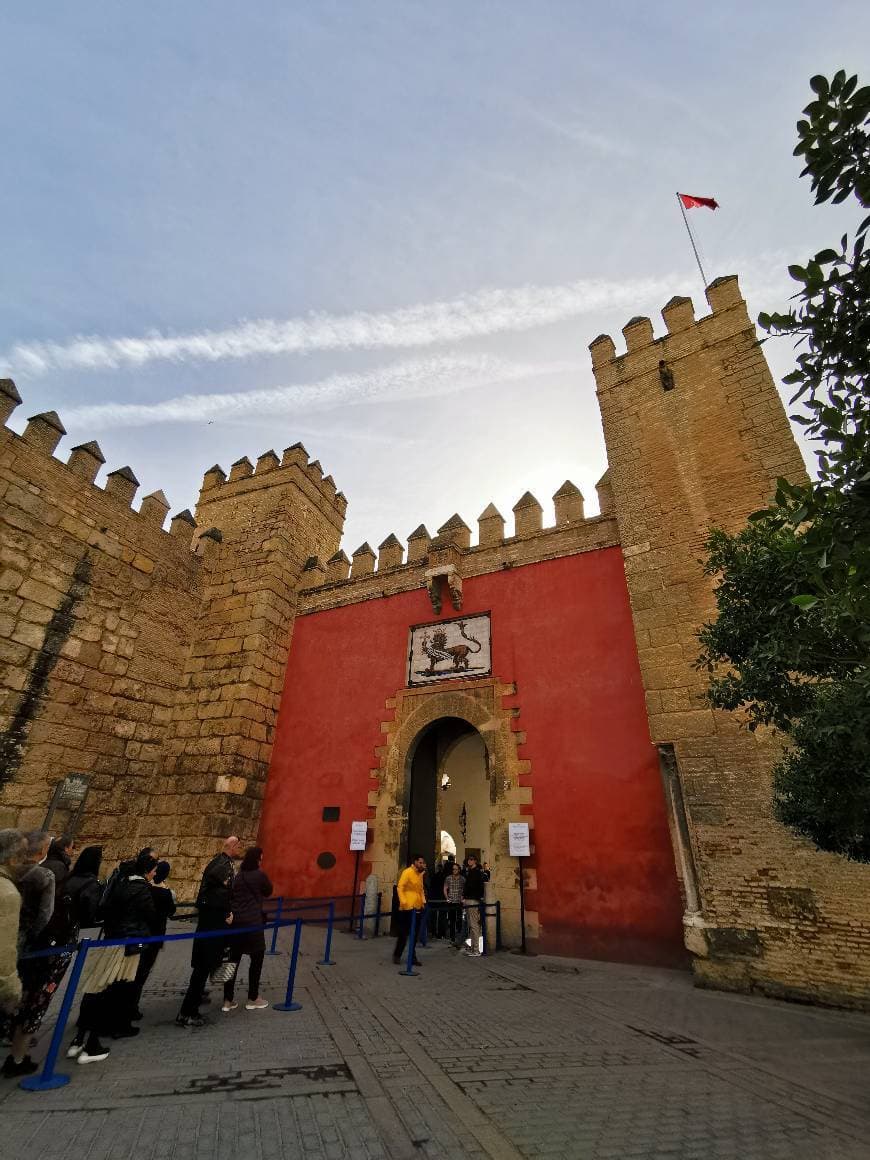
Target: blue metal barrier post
pixel 362 916
pixel 273 949
pixel 424 925
pixel 378 914
pixel 412 946
pixel 288 1004
pixel 326 961
pixel 47 1079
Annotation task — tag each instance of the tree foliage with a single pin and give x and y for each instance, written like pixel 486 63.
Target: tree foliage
pixel 791 643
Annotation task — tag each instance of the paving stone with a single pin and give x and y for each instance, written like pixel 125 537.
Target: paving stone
pixel 495 1058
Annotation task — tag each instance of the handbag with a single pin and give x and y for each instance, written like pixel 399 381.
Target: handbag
pixel 224 972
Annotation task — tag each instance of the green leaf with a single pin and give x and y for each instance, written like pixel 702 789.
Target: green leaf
pixel 804 601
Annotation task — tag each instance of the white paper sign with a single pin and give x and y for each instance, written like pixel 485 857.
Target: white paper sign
pixel 518 839
pixel 358 834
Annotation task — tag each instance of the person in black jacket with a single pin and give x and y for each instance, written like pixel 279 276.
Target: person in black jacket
pixel 164 906
pixel 251 888
pixel 214 913
pixel 82 891
pixel 59 859
pixel 472 896
pixel 128 912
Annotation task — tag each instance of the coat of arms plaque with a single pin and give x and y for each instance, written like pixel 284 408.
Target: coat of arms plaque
pixel 448 649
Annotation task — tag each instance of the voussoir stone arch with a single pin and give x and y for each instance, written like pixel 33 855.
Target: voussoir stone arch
pixel 480 704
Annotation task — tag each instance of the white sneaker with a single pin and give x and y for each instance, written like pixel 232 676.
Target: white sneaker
pixel 98 1058
pixel 256 1004
pixel 229 1007
pixel 74 1049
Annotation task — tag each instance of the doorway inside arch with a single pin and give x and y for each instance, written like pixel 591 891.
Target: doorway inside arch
pixel 448 794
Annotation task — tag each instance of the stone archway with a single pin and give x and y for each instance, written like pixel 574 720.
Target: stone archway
pixel 481 704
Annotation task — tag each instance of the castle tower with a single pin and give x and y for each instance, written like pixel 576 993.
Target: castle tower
pixel 696 437
pixel 269 519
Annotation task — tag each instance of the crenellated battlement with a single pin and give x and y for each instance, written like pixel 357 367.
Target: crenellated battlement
pixel 368 574
pixel 33 454
pixel 292 468
pixel 685 336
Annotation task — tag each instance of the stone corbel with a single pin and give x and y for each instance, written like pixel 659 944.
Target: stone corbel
pixel 450 575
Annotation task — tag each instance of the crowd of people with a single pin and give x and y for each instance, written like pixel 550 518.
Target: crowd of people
pixel 46 900
pixel 452 894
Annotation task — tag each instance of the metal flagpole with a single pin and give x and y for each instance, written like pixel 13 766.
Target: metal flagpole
pixel 692 240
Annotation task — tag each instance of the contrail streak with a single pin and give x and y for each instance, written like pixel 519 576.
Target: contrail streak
pixel 421 378
pixel 473 315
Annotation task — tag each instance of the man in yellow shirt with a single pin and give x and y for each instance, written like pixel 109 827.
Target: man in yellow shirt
pixel 412 898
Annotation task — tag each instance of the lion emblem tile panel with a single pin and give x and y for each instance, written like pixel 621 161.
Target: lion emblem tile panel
pixel 447 649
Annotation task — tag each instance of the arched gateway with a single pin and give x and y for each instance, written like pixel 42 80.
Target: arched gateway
pixel 451 765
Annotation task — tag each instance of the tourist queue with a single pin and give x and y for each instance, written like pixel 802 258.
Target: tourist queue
pixel 46 900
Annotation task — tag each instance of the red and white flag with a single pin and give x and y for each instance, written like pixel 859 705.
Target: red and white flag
pixel 692 202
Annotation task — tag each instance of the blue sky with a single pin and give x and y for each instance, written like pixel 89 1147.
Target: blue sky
pixel 389 229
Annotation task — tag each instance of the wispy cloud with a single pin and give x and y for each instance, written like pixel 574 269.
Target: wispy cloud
pixel 420 378
pixel 485 312
pixel 580 134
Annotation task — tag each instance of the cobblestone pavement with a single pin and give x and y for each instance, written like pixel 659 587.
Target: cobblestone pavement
pixel 501 1057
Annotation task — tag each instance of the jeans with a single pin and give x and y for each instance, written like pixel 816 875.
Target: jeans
pixel 454 921
pixel 473 912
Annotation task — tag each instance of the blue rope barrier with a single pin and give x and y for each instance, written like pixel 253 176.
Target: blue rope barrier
pixel 288 1004
pixel 273 948
pixel 326 961
pixel 48 1079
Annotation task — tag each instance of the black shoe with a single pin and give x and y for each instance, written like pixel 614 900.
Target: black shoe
pixel 11 1069
pixel 126 1032
pixel 189 1021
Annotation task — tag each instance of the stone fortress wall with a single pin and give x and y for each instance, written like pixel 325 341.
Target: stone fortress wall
pixel 150 661
pixel 153 661
pixel 696 437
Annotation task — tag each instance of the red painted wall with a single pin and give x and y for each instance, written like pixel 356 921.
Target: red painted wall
pixel 562 631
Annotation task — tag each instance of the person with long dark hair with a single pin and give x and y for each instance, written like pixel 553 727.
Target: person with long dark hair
pixel 108 980
pixel 251 888
pixel 85 892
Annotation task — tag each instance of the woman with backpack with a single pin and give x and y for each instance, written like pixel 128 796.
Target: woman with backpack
pixel 251 887
pixel 82 891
